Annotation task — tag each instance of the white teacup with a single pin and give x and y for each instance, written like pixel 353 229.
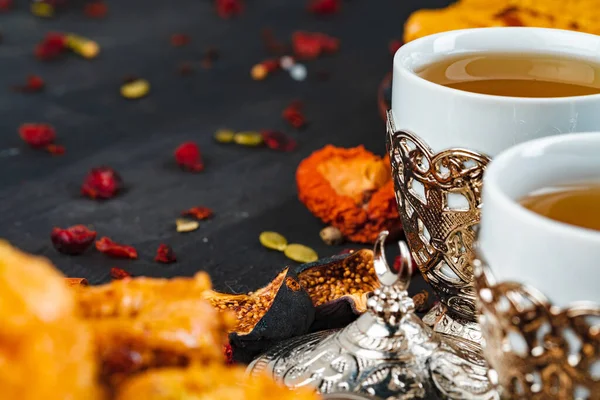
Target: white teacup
pixel 441 139
pixel 537 279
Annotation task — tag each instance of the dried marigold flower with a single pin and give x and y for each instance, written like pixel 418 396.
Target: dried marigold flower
pixel 188 157
pixel 180 39
pixel 119 273
pixel 73 240
pixel 101 183
pixel 350 189
pixel 199 213
pixel 37 135
pixel 53 45
pixel 165 254
pixel 95 9
pixel 309 45
pixel 228 8
pixel 112 249
pixel 33 84
pixel 324 7
pixel 278 141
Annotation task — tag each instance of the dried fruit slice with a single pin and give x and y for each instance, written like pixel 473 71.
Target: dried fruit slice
pixel 350 189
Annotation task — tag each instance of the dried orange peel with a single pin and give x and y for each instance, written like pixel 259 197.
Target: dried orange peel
pixel 351 189
pixel 579 15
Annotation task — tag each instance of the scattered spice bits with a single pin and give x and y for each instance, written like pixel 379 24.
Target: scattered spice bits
pixel 5 5
pixel 272 45
pixel 42 9
pixel 115 250
pixel 293 115
pixel 224 136
pixel 119 273
pixel 273 240
pixel 324 7
pixel 73 240
pixel 185 68
pixel 421 301
pixel 135 89
pixel 33 84
pixel 188 157
pixel 229 8
pixel 331 236
pixel 186 225
pixel 74 282
pixel 200 213
pixel 210 56
pixel 82 46
pixel 278 141
pixel 310 45
pixel 165 255
pixel 180 39
pixel 101 183
pixel 95 9
pixel 249 138
pixel 56 149
pixel 53 45
pixel 395 45
pixel 300 253
pixel 37 135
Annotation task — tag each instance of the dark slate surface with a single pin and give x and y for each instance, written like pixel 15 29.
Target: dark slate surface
pixel 251 190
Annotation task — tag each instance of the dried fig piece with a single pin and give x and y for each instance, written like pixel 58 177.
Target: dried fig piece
pixel 338 287
pixel 280 310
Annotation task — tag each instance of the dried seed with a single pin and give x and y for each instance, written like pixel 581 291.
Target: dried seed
pixel 188 157
pixel 331 236
pixel 116 250
pixel 186 225
pixel 83 46
pixel 300 253
pixel 224 135
pixel 248 138
pixel 136 89
pixel 273 240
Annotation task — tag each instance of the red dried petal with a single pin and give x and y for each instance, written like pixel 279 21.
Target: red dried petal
pixel 310 45
pixel 101 183
pixel 228 351
pixel 119 273
pixel 395 45
pixel 53 45
pixel 37 135
pixel 278 141
pixel 199 212
pixel 115 250
pixel 271 65
pixel 329 44
pixel 34 84
pixel 165 255
pixel 96 9
pixel 179 39
pixel 324 7
pixel 272 45
pixel 73 240
pixel 5 5
pixel 56 149
pixel 228 8
pixel 293 115
pixel 188 157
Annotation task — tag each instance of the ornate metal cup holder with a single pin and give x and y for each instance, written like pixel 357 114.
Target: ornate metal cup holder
pixel 387 353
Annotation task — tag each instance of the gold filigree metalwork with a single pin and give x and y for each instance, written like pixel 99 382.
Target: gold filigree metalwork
pixel 439 199
pixel 537 350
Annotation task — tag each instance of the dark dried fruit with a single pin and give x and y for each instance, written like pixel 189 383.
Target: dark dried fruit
pixel 95 9
pixel 180 39
pixel 165 255
pixel 188 157
pixel 338 287
pixel 309 45
pixel 199 213
pixel 278 141
pixel 119 273
pixel 293 115
pixel 101 183
pixel 228 8
pixel 275 312
pixel 34 84
pixel 73 240
pixel 115 250
pixel 324 7
pixel 53 45
pixel 421 301
pixel 37 135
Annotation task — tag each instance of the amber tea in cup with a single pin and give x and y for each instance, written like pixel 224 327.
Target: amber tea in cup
pixel 575 204
pixel 516 74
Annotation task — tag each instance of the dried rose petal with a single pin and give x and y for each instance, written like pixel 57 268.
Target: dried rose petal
pixel 272 45
pixel 188 157
pixel 37 135
pixel 293 115
pixel 309 45
pixel 73 240
pixel 56 149
pixel 165 255
pixel 271 65
pixel 229 8
pixel 96 9
pixel 101 183
pixel 278 141
pixel 395 45
pixel 53 45
pixel 34 84
pixel 115 250
pixel 119 273
pixel 5 5
pixel 179 39
pixel 199 213
pixel 324 7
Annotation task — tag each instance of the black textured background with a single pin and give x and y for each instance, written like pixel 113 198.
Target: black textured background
pixel 250 190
